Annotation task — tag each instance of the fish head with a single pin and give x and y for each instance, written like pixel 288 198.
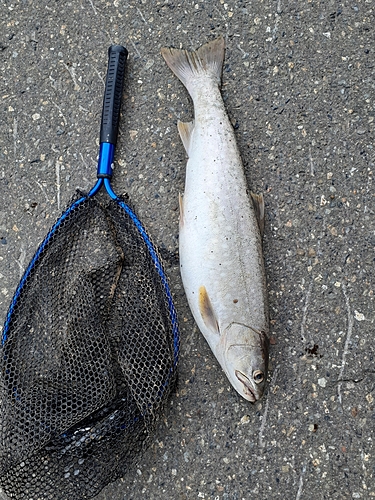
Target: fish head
pixel 246 360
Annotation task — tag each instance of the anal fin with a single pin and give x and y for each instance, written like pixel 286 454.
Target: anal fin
pixel 207 311
pixel 258 202
pixel 185 130
pixel 181 205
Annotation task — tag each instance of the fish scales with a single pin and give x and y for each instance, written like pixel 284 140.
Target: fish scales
pixel 221 258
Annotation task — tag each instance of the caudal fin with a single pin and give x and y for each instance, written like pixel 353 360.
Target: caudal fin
pixel 188 65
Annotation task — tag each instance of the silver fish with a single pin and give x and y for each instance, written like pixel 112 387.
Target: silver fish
pixel 221 258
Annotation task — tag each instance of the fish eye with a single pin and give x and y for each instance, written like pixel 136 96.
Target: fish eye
pixel 258 376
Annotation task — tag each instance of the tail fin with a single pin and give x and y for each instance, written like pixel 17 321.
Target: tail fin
pixel 207 60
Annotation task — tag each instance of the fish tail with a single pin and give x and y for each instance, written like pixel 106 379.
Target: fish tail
pixel 189 66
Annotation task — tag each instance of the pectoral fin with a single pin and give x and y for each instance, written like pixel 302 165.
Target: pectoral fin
pixel 258 202
pixel 207 312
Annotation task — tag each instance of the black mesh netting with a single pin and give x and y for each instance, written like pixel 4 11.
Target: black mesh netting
pixel 88 357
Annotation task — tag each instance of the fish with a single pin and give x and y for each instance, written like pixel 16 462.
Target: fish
pixel 220 225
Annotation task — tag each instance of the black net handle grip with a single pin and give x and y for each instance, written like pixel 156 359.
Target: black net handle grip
pixel 117 55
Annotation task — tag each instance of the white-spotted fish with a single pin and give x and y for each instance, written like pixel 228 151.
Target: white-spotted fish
pixel 220 244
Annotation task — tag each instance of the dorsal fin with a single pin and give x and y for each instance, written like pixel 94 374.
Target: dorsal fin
pixel 258 202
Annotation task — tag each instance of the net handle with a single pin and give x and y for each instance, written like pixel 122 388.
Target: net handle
pixel 117 55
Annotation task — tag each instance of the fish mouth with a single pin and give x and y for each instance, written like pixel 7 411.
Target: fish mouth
pixel 247 388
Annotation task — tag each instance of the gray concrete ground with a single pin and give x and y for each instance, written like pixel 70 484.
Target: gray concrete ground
pixel 298 84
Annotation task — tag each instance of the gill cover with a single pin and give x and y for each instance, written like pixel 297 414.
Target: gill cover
pixel 246 359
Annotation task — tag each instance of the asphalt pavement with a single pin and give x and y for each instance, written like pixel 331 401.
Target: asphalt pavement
pixel 299 88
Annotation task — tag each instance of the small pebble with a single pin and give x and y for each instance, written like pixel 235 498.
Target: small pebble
pixel 322 382
pixel 359 316
pixel 245 419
